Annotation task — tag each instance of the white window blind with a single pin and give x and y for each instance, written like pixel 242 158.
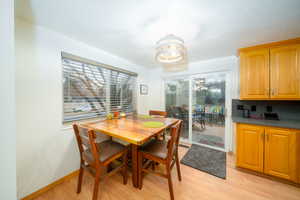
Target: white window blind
pixel 92 89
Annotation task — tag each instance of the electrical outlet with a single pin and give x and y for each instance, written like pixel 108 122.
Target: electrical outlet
pixel 240 107
pixel 253 108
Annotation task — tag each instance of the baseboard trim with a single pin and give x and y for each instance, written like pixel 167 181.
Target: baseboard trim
pixel 50 186
pixel 184 146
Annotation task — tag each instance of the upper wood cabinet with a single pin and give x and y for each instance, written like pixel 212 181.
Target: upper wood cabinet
pixel 254 74
pixel 285 72
pixel 271 71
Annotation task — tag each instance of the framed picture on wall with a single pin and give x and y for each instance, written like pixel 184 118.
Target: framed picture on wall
pixel 143 89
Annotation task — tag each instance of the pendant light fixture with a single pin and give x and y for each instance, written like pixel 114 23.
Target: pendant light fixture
pixel 171 53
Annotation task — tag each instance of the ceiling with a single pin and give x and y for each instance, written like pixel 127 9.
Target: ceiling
pixel 130 28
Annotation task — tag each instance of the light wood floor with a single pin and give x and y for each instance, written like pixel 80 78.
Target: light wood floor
pixel 195 185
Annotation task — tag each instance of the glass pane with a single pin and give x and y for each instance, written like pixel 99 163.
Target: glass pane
pixel 84 90
pixel 91 91
pixel 177 102
pixel 122 92
pixel 208 109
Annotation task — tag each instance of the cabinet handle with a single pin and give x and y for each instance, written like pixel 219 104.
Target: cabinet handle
pixel 274 91
pixel 267 91
pixel 267 137
pixel 263 136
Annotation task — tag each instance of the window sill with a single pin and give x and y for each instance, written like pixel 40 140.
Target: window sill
pixel 68 125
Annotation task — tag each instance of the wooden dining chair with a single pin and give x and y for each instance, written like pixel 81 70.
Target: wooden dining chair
pixel 96 156
pixel 162 152
pixel 161 114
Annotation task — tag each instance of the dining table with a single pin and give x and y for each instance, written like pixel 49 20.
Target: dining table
pixel 134 130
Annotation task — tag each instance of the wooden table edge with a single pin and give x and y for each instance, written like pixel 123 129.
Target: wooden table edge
pixel 135 142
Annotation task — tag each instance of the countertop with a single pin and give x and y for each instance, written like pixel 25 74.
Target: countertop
pixel 294 124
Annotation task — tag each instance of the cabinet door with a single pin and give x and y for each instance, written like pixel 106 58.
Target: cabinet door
pixel 285 72
pixel 280 153
pixel 298 154
pixel 250 147
pixel 254 74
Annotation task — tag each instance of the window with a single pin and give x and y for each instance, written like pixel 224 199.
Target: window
pixel 92 89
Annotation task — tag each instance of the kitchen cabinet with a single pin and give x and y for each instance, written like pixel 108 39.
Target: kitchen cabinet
pixel 270 150
pixel 285 72
pixel 250 147
pixel 298 154
pixel 280 153
pixel 270 71
pixel 254 74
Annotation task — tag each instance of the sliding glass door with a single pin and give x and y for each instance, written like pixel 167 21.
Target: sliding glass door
pixel 199 100
pixel 177 102
pixel 208 109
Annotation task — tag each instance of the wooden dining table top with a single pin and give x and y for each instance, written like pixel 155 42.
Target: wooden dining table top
pixel 130 129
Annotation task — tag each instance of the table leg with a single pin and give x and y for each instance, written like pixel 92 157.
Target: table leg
pixel 134 158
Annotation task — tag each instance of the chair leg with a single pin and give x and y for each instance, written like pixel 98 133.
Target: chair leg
pixel 178 166
pixel 164 136
pixel 109 168
pixel 96 184
pixel 153 165
pixel 170 181
pixel 80 179
pixel 125 159
pixel 140 170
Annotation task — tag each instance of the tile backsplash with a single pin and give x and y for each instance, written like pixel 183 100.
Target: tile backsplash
pixel 286 110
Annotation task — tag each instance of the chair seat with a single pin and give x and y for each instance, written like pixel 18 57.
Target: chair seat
pixel 107 150
pixel 156 148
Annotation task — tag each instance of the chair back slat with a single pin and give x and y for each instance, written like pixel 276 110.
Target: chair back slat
pixel 157 112
pixel 83 131
pixel 78 139
pixel 82 137
pixel 94 147
pixel 86 140
pixel 174 140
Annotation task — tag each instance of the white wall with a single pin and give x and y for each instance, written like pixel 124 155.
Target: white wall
pixel 46 150
pixel 7 104
pixel 143 100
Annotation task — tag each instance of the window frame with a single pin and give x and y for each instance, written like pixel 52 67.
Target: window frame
pixel 107 88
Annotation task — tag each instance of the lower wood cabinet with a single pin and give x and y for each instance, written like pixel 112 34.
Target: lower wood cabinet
pixel 250 147
pixel 280 153
pixel 271 150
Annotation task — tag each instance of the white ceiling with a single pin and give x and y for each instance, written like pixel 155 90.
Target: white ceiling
pixel 130 28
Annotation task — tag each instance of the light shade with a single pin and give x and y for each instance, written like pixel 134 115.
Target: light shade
pixel 170 50
pixel 175 67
